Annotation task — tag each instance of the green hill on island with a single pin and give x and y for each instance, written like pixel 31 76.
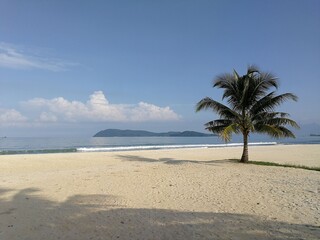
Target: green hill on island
pixel 141 133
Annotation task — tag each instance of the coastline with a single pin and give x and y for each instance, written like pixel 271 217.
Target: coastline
pixel 161 194
pixel 39 145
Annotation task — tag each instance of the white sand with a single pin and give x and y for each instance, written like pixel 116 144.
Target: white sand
pixel 165 194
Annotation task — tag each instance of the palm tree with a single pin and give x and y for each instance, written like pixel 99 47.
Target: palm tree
pixel 252 107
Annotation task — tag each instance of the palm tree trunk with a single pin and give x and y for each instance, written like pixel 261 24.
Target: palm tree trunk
pixel 245 155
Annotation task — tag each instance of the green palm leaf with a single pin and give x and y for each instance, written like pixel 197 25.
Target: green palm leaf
pixel 221 109
pixel 251 107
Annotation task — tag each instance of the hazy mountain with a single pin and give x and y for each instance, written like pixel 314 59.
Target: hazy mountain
pixel 141 133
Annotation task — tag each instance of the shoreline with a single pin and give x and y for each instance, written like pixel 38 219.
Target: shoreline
pixel 144 148
pixel 296 154
pixel 160 194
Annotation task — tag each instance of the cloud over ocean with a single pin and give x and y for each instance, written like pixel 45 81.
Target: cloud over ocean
pixel 96 109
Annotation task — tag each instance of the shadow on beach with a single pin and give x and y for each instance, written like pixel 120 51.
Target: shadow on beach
pixel 172 161
pixel 27 215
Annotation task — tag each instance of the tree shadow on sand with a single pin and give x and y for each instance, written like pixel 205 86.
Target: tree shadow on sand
pixel 27 215
pixel 172 161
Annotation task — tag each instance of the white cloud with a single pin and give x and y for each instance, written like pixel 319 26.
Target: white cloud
pixel 148 112
pixel 11 117
pixel 98 109
pixel 15 57
pixel 47 117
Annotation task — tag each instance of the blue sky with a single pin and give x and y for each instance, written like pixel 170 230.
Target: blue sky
pixel 76 67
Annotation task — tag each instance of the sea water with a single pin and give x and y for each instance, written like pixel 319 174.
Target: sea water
pixel 25 145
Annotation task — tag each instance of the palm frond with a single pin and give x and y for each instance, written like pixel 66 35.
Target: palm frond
pixel 221 109
pixel 275 131
pixel 224 128
pixel 219 122
pixel 227 131
pixel 268 80
pixel 215 129
pixel 269 102
pixel 251 103
pixel 286 133
pixel 228 82
pixel 252 69
pixel 281 122
pixel 268 115
pixel 236 75
pixel 261 85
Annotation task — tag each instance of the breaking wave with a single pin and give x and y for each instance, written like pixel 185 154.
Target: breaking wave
pixel 157 147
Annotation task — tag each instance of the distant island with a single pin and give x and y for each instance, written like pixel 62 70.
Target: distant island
pixel 314 135
pixel 141 133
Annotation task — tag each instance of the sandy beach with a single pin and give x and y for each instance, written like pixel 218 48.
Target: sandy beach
pixel 161 194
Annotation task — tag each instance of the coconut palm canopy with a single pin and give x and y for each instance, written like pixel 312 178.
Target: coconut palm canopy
pixel 252 107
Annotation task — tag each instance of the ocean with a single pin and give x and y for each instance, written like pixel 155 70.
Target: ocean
pixel 36 145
